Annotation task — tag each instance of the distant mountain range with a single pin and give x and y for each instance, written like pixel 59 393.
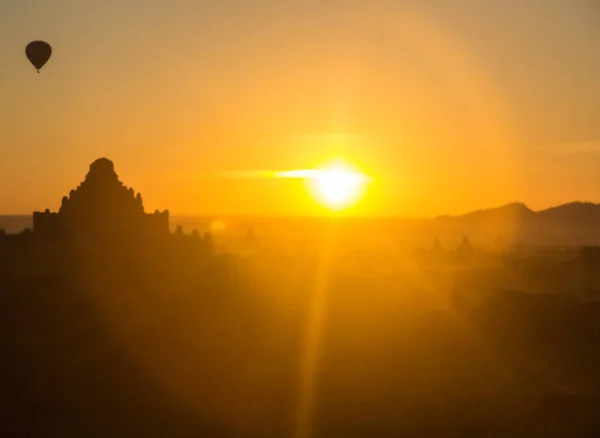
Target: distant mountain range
pixel 576 223
pixel 573 224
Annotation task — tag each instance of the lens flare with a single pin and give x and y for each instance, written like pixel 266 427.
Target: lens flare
pixel 336 186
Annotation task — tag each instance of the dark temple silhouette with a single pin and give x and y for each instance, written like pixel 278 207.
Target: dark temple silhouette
pixel 102 208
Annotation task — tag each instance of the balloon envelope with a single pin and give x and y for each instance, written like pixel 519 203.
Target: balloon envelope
pixel 38 53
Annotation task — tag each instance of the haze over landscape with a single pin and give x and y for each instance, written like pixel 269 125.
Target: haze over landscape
pixel 450 108
pixel 300 219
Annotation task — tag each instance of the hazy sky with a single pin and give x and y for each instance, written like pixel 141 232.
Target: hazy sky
pixel 449 105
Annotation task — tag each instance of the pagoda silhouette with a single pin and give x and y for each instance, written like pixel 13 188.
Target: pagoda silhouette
pixel 102 209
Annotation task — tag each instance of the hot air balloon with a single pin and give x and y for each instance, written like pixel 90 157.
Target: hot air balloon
pixel 38 53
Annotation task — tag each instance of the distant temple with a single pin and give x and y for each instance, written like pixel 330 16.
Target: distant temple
pixel 465 250
pixel 101 208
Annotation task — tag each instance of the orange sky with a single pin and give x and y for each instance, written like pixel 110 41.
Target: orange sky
pixel 448 108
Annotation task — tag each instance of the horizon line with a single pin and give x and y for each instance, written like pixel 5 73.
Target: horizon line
pixel 339 216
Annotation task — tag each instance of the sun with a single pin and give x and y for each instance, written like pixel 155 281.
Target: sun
pixel 337 186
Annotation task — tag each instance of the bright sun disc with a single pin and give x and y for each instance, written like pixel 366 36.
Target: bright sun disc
pixel 337 187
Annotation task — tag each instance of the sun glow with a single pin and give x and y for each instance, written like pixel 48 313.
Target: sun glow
pixel 337 186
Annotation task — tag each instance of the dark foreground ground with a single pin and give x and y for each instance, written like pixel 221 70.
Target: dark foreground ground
pixel 203 350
